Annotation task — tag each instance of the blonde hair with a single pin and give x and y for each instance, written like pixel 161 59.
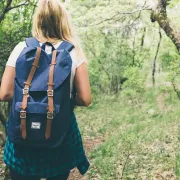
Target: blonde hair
pixel 51 22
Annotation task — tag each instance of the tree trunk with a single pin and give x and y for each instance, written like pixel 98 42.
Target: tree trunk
pixel 155 58
pixel 160 15
pixel 142 38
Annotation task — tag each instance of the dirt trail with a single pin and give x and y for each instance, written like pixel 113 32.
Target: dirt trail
pixel 160 101
pixel 89 145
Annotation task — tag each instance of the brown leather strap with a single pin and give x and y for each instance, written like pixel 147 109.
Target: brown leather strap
pixel 50 94
pixel 26 93
pixel 23 123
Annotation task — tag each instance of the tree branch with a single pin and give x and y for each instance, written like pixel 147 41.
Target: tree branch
pixel 2 14
pixel 175 89
pixel 120 13
pixel 2 119
pixel 23 4
pixel 8 8
pixel 2 138
pixel 135 11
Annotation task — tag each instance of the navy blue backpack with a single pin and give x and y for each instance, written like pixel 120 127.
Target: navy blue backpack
pixel 42 106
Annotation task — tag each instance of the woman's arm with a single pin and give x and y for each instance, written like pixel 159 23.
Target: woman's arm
pixel 7 84
pixel 83 97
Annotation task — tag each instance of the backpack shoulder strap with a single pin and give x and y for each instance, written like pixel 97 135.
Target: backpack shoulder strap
pixel 66 45
pixel 32 42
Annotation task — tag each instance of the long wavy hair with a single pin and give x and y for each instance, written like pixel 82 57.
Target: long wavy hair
pixel 51 23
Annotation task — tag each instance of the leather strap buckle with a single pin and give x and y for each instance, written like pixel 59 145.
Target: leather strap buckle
pixel 49 115
pixel 50 93
pixel 23 114
pixel 25 91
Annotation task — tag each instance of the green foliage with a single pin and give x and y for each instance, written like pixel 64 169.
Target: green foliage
pixel 174 70
pixel 172 3
pixel 178 165
pixel 136 80
pixel 14 28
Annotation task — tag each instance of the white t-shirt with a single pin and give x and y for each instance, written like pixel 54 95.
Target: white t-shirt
pixel 76 61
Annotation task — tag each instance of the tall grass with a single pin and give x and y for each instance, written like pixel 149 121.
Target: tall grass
pixel 140 132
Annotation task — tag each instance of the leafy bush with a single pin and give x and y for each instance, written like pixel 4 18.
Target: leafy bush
pixel 136 80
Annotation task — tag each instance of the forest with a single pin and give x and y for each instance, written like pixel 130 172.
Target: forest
pixel 132 128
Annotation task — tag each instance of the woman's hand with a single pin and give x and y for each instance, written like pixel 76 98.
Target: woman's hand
pixel 7 84
pixel 83 97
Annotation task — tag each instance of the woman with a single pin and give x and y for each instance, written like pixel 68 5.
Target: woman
pixel 50 24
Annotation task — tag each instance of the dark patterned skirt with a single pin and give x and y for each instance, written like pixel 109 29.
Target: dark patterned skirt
pixel 47 163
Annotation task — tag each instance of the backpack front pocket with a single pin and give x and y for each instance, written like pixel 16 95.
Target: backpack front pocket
pixel 36 119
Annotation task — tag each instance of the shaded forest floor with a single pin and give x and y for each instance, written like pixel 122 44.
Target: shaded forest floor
pixel 131 136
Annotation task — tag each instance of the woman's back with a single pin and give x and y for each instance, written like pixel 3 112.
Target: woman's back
pixel 50 24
